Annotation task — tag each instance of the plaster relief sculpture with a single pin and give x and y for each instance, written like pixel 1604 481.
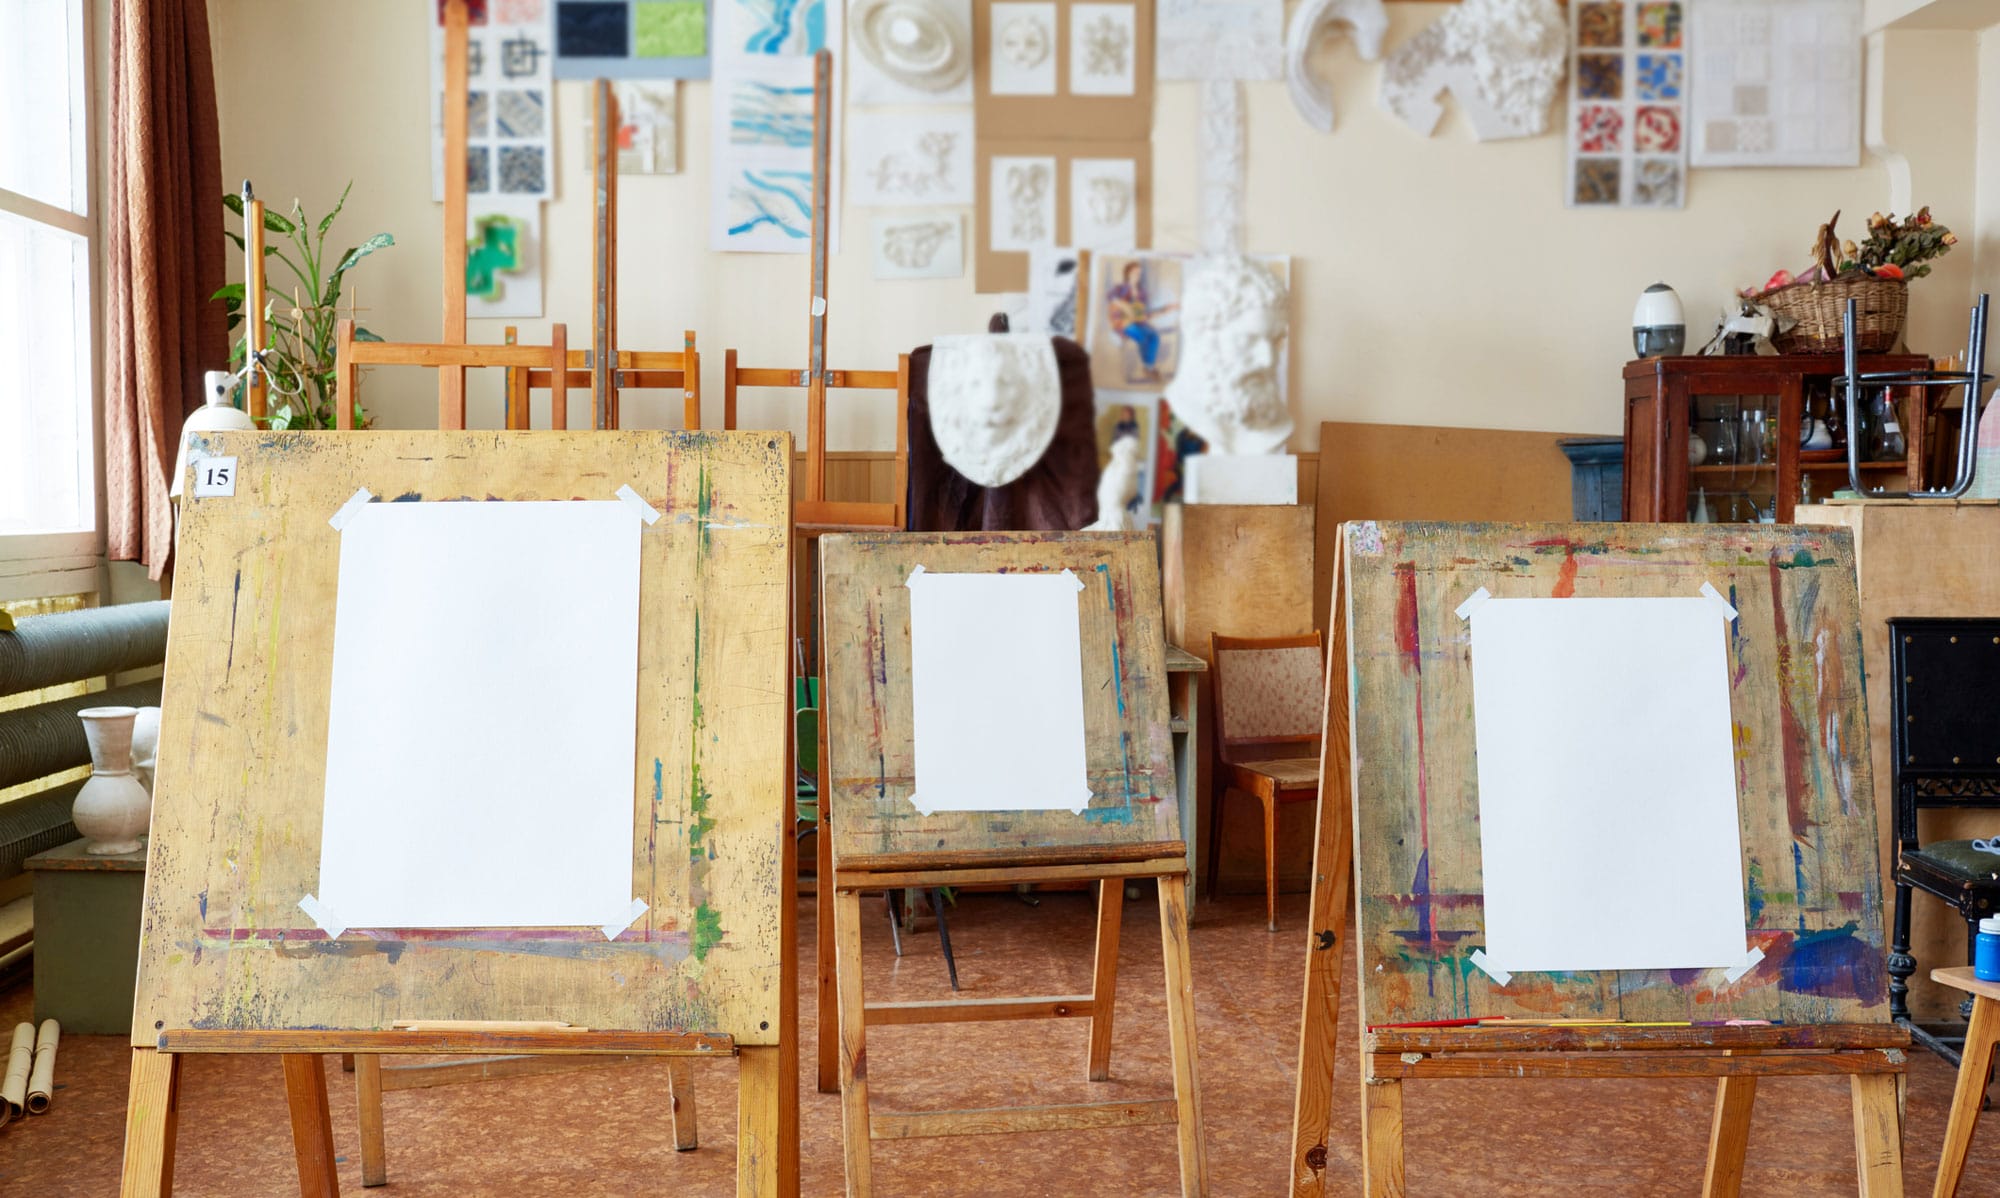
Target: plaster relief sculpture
pixel 1368 22
pixel 994 402
pixel 1222 167
pixel 1502 61
pixel 1022 50
pixel 1233 325
pixel 922 44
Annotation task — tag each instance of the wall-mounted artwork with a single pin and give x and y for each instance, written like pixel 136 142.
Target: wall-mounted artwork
pixel 1079 69
pixel 909 52
pixel 1134 334
pixel 1627 104
pixel 1177 443
pixel 1221 39
pixel 1045 193
pixel 1103 203
pixel 503 257
pixel 648 127
pixel 1022 49
pixel 761 112
pixel 910 158
pixel 1774 84
pixel 630 39
pixel 1103 41
pixel 1501 60
pixel 917 244
pixel 510 117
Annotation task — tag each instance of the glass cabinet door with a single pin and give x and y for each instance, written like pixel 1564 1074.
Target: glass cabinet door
pixel 1732 450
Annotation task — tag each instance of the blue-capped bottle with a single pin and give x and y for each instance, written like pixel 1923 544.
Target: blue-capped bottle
pixel 1986 950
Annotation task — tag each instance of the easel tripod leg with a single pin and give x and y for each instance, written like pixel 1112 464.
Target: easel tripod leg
pixel 1973 1066
pixel 1729 1136
pixel 151 1115
pixel 1104 974
pixel 759 1136
pixel 312 1124
pixel 829 1019
pixel 1180 1029
pixel 368 1106
pixel 851 1036
pixel 1382 1138
pixel 1878 1140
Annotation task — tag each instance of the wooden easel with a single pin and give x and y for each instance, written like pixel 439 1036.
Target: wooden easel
pixel 1396 645
pixel 258 774
pixel 1131 828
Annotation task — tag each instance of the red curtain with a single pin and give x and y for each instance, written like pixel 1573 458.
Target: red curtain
pixel 164 257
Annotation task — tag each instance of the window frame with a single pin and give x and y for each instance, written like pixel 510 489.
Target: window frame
pixel 38 564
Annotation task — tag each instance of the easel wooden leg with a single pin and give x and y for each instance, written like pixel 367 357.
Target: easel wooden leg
pixel 312 1124
pixel 1973 1066
pixel 1382 1138
pixel 1270 863
pixel 1180 1030
pixel 852 1025
pixel 1878 1140
pixel 759 1136
pixel 1729 1136
pixel 1104 974
pixel 680 1096
pixel 151 1112
pixel 829 1018
pixel 1326 927
pixel 368 1105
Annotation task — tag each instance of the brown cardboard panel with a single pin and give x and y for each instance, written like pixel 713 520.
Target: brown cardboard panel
pixel 1007 270
pixel 1064 113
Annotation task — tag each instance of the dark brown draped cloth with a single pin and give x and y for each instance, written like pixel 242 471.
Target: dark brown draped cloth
pixel 1057 493
pixel 164 255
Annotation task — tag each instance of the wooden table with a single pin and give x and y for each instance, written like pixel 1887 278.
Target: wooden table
pixel 1974 1068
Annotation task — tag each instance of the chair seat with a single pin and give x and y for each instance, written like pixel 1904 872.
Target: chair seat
pixel 1292 773
pixel 1955 859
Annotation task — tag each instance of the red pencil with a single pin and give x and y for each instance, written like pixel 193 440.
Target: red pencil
pixel 1429 1023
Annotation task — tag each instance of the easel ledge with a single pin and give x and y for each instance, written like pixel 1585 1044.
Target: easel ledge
pixel 451 1040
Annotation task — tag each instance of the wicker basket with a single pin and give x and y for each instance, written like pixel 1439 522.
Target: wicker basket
pixel 1819 307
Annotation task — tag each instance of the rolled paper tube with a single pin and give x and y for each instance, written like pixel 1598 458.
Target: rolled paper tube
pixel 42 1077
pixel 20 1058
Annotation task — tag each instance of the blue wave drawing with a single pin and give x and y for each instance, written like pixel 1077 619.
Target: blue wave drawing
pixel 780 199
pixel 785 26
pixel 764 114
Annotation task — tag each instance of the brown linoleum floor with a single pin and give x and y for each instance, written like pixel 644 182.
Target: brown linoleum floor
pixel 603 1131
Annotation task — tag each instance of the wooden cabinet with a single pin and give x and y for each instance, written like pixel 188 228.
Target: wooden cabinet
pixel 1719 438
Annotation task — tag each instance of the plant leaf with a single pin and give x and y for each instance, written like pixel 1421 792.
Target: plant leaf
pixel 233 237
pixel 229 291
pixel 379 241
pixel 233 202
pixel 326 222
pixel 361 334
pixel 278 224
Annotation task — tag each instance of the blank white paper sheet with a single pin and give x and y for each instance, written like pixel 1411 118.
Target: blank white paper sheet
pixel 483 717
pixel 996 684
pixel 1609 833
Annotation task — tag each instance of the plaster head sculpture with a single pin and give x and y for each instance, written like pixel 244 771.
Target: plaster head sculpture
pixel 924 44
pixel 994 399
pixel 1233 325
pixel 1368 21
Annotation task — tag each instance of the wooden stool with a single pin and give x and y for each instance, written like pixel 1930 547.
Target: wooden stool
pixel 1975 1069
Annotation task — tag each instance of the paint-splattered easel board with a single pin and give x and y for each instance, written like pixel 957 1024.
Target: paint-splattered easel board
pixel 237 815
pixel 1813 898
pixel 1133 812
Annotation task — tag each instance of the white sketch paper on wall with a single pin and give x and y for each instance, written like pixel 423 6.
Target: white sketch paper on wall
pixel 909 52
pixel 761 120
pixel 648 127
pixel 1501 60
pixel 1102 45
pixel 1103 203
pixel 917 244
pixel 915 158
pixel 1022 53
pixel 503 257
pixel 1776 84
pixel 1023 194
pixel 1219 39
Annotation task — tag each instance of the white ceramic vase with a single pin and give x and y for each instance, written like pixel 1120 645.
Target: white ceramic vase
pixel 145 745
pixel 113 810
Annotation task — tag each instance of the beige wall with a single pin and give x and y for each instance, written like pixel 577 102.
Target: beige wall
pixel 1438 281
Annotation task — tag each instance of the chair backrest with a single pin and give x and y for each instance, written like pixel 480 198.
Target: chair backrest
pixel 1270 694
pixel 1944 679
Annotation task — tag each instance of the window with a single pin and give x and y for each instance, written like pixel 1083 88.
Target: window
pixel 48 242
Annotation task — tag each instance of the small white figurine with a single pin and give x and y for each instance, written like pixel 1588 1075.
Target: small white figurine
pixel 1117 487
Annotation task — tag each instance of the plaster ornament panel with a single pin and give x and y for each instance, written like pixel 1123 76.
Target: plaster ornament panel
pixel 918 158
pixel 995 399
pixel 917 244
pixel 1502 61
pixel 1219 39
pixel 1222 167
pixel 1102 44
pixel 925 45
pixel 1103 198
pixel 1023 194
pixel 1228 389
pixel 1365 19
pixel 1023 51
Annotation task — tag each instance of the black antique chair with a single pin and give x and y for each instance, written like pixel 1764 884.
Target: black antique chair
pixel 1945 689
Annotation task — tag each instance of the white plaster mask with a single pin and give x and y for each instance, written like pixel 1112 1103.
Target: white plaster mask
pixel 995 399
pixel 1233 325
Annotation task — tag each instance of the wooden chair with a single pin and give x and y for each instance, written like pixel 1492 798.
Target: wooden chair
pixel 1944 674
pixel 1268 692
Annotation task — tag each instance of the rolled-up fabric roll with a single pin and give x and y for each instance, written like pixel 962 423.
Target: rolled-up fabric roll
pixel 42 1075
pixel 14 1083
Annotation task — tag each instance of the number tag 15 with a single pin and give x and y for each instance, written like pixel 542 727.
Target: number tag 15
pixel 214 476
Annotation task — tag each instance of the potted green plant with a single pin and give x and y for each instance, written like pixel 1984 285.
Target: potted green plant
pixel 299 361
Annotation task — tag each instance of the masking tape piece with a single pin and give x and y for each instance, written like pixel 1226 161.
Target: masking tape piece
pixel 1472 603
pixel 819 305
pixel 1071 575
pixel 325 919
pixel 625 919
pixel 1749 962
pixel 914 574
pixel 1708 589
pixel 647 511
pixel 347 510
pixel 1487 967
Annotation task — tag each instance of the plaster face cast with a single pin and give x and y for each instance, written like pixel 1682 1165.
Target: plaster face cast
pixel 1233 324
pixel 918 43
pixel 1368 21
pixel 995 399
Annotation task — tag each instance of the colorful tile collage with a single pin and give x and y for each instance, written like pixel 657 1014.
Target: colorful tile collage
pixel 631 39
pixel 508 103
pixel 1628 104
